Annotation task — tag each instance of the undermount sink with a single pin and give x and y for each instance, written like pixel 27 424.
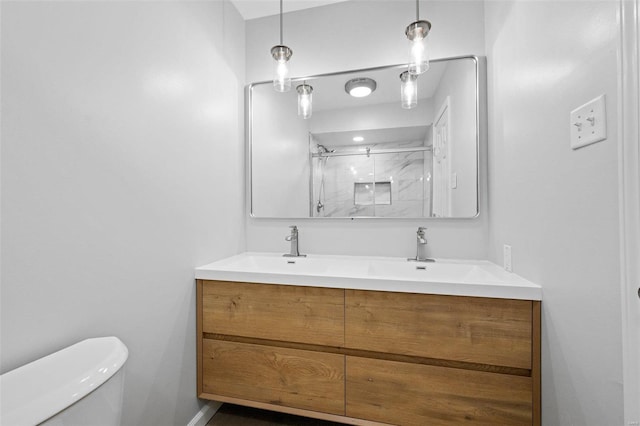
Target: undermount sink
pixel 454 277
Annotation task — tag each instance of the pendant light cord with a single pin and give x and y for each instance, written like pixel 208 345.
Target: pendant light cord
pixel 280 22
pixel 417 10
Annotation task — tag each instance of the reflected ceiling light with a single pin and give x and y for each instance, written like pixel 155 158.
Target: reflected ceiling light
pixel 358 138
pixel 305 100
pixel 417 33
pixel 408 90
pixel 281 54
pixel 360 87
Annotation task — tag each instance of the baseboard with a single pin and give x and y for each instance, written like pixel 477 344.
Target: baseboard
pixel 205 414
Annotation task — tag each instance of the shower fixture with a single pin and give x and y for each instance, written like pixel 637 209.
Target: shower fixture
pixel 322 165
pixel 417 33
pixel 324 150
pixel 281 54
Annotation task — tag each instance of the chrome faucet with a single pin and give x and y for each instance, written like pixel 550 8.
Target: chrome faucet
pixel 294 252
pixel 421 248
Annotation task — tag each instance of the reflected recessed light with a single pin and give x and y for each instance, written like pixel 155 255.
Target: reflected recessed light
pixel 358 138
pixel 360 87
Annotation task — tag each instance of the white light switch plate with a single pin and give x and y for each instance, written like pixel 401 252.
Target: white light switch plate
pixel 589 123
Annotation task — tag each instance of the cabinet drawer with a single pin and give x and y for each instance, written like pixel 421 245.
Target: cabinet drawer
pixel 277 312
pixel 414 394
pixel 467 329
pixel 287 377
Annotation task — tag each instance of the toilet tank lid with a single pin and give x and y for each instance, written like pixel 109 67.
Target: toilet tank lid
pixel 37 391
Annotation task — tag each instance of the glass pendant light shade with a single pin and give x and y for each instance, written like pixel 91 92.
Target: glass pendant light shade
pixel 418 48
pixel 281 78
pixel 408 90
pixel 305 100
pixel 417 33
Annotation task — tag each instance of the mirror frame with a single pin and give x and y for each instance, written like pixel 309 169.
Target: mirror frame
pixel 480 79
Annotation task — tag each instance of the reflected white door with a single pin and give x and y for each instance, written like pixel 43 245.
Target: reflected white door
pixel 441 163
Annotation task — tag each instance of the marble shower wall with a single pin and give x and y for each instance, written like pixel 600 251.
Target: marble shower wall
pixel 335 182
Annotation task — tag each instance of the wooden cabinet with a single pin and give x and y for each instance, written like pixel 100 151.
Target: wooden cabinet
pixel 415 394
pixel 292 377
pixel 469 329
pixel 369 357
pixel 276 312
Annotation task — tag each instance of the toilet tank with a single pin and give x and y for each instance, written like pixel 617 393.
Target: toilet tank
pixel 78 385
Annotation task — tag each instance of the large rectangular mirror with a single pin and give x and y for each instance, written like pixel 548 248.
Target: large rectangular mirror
pixel 368 156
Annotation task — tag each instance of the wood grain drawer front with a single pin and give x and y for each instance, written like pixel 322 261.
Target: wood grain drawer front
pixel 277 312
pixel 286 377
pixel 468 329
pixel 414 394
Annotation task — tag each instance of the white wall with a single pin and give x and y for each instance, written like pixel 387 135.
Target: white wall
pixel 122 163
pixel 458 83
pixel 280 155
pixel 362 34
pixel 556 207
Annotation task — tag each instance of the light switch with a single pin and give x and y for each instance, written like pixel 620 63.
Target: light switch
pixel 589 123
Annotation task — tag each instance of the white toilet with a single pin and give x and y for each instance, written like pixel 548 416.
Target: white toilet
pixel 79 385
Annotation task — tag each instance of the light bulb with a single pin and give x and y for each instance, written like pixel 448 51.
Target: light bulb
pixel 418 56
pixel 281 78
pixel 282 81
pixel 360 92
pixel 305 100
pixel 408 90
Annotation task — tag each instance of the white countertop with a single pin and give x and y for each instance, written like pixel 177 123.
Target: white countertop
pixel 446 276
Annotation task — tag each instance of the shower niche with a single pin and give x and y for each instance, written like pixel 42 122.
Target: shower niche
pixel 368 156
pixel 391 176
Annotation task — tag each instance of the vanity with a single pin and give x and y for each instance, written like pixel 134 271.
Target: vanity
pixel 367 340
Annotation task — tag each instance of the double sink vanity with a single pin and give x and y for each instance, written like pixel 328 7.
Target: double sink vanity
pixel 368 340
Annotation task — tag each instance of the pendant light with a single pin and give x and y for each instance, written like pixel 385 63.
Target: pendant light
pixel 408 90
pixel 305 100
pixel 281 54
pixel 417 33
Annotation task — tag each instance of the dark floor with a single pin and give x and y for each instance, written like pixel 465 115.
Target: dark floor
pixel 235 415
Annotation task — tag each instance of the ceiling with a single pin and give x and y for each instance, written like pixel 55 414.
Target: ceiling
pixel 329 92
pixel 372 136
pixel 251 9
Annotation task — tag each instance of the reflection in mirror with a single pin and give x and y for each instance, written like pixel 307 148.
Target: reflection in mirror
pixel 368 156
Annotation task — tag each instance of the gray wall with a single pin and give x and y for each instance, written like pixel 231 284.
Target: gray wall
pixel 122 163
pixel 556 207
